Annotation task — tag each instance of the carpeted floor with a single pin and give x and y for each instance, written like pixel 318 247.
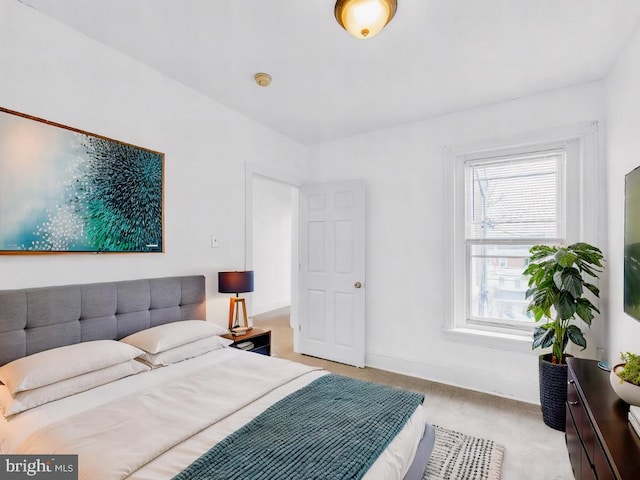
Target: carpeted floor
pixel 533 451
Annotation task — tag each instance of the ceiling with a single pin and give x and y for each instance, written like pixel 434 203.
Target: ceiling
pixel 435 57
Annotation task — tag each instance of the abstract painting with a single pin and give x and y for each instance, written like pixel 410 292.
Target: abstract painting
pixel 66 190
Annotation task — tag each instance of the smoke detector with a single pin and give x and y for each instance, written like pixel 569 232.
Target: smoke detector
pixel 263 79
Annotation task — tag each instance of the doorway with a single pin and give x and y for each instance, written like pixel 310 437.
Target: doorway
pixel 273 212
pixel 333 323
pixel 271 241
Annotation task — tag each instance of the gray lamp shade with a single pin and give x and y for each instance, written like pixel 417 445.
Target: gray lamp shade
pixel 235 282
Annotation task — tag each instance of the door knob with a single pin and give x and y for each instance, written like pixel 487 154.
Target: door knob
pixel 357 285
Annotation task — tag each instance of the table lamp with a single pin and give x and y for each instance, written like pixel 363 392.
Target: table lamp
pixel 236 282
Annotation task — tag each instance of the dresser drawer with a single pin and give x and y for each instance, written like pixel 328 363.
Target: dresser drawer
pixel 581 419
pixel 574 445
pixel 599 420
pixel 593 457
pixel 601 464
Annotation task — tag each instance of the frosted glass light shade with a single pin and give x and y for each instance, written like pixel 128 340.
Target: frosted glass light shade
pixel 364 18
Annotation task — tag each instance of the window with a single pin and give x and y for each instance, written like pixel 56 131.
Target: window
pixel 511 203
pixel 503 201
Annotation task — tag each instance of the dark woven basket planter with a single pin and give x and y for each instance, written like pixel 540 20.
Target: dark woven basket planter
pixel 553 392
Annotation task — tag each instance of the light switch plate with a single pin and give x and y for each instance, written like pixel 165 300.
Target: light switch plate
pixel 214 241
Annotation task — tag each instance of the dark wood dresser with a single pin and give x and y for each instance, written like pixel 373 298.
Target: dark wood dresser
pixel 600 440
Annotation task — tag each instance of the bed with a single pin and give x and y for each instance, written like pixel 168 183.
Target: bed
pixel 127 376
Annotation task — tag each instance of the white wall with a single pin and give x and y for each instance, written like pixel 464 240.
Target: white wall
pixel 404 171
pixel 272 235
pixel 55 73
pixel 623 155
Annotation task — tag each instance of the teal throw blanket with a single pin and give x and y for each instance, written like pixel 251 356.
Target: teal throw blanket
pixel 334 428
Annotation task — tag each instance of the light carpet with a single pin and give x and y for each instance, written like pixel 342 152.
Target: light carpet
pixel 457 456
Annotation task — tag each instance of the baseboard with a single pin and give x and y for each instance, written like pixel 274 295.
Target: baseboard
pixel 468 379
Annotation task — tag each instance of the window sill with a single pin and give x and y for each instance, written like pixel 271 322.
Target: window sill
pixel 505 341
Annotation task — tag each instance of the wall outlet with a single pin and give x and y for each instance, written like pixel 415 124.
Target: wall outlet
pixel 214 241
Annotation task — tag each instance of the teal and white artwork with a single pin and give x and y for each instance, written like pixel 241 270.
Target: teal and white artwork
pixel 65 190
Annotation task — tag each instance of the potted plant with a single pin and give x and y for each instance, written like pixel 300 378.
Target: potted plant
pixel 557 292
pixel 625 378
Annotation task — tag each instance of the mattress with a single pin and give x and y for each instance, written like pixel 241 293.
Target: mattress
pixel 231 371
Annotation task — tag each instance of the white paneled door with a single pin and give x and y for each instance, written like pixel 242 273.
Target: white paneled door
pixel 332 269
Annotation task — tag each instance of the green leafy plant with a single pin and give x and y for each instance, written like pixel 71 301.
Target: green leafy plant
pixel 631 370
pixel 557 291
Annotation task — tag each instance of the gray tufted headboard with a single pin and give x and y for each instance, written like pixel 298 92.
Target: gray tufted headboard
pixel 37 319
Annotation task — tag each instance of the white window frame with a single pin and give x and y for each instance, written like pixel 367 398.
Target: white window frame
pixel 562 149
pixel 581 219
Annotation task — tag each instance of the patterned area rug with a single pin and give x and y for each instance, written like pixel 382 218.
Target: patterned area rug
pixel 457 456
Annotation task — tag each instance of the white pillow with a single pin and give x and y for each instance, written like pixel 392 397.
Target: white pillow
pixel 171 335
pixel 21 401
pixel 183 352
pixel 51 366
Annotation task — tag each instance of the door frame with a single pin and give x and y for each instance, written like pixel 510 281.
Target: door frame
pixel 295 181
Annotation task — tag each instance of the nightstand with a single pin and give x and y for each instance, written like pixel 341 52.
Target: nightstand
pixel 261 340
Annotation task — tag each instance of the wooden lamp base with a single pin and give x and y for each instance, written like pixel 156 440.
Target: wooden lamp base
pixel 234 316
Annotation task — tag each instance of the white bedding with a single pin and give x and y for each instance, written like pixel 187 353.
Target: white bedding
pixel 392 464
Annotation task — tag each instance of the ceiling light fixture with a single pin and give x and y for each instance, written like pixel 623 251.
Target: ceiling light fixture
pixel 262 79
pixel 364 18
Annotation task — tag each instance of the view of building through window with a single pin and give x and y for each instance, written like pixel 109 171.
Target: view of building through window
pixel 496 282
